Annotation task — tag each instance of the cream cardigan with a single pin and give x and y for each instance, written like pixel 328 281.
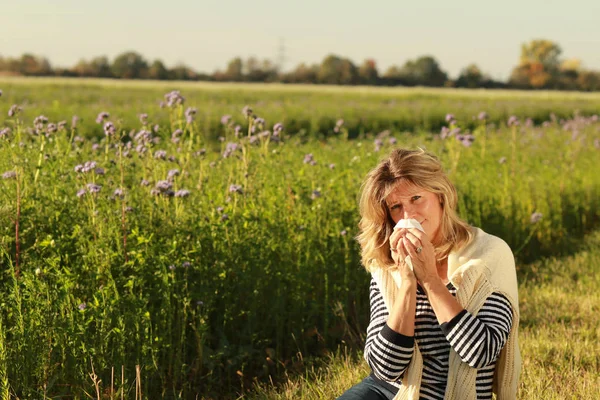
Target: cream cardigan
pixel 485 266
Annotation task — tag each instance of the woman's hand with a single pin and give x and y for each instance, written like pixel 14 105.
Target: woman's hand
pixel 399 254
pixel 423 260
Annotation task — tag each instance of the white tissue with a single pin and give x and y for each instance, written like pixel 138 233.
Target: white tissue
pixel 406 223
pixel 409 223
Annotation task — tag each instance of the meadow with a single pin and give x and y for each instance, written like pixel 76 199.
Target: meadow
pixel 161 251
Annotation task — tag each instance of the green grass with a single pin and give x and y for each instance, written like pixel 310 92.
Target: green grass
pixel 559 338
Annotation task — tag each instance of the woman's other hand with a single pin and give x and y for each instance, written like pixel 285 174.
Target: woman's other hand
pixel 399 254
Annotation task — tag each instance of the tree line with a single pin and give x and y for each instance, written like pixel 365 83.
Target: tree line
pixel 540 66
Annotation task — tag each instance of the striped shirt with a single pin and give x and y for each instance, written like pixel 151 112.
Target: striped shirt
pixel 476 339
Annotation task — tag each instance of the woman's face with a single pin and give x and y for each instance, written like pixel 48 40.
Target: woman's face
pixel 409 201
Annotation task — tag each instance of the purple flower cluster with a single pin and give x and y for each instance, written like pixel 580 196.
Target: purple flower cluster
pixel 9 175
pixel 39 122
pixel 4 132
pixel 536 217
pixel 93 188
pixel 226 119
pixel 309 159
pixel 86 167
pixel 174 98
pixel 247 112
pixel 483 116
pixel 160 154
pixel 176 136
pixel 233 188
pixel 513 121
pixel 450 119
pixel 119 193
pixel 143 118
pixel 190 113
pixel 378 143
pixel 466 139
pixel 182 193
pixel 338 125
pixel 102 116
pixel 172 174
pixel 277 129
pixel 231 148
pixel 14 110
pixel 315 194
pixel 109 129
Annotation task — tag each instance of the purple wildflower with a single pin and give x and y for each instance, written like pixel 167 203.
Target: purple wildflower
pixel 536 217
pixel 233 188
pixel 62 125
pixel 74 121
pixel 392 140
pixel 172 267
pixel 172 174
pixel 182 193
pixel 200 152
pixel 277 128
pixel 160 154
pixel 119 193
pixel 231 148
pixel 190 113
pixel 450 118
pixel 467 140
pixel 247 112
pixel 308 159
pixel 445 132
pixel 93 188
pixel 331 166
pixel 502 160
pixel 102 116
pixel 224 217
pixel 96 147
pixel 483 116
pixel 52 128
pixel 513 121
pixel 9 175
pixel 81 193
pixel 144 118
pixel 343 233
pixel 82 306
pixel 109 129
pixel 315 194
pixel 174 98
pixel 163 186
pixel 4 132
pixel 144 182
pixel 14 110
pixel 237 130
pixel 226 119
pixel 220 209
pixel 186 264
pixel 99 171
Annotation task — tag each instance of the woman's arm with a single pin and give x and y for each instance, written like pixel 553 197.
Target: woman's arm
pixel 389 348
pixel 479 339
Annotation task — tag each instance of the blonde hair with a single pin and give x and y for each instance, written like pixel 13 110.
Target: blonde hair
pixel 419 168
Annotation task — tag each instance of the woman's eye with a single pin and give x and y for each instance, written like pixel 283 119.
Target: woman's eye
pixel 395 206
pixel 415 198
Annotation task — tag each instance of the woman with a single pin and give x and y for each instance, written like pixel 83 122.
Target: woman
pixel 444 301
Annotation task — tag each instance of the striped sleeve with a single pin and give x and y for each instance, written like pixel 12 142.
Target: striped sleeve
pixel 387 352
pixel 479 339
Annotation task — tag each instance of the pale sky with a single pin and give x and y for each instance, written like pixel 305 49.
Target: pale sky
pixel 206 34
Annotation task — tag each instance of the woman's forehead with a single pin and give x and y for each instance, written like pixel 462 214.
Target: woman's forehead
pixel 402 190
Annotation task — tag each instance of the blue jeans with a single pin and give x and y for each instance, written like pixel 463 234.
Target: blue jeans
pixel 367 389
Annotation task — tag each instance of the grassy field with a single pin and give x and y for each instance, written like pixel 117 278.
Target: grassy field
pixel 147 251
pixel 559 337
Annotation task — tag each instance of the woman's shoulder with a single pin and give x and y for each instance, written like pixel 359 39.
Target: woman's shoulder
pixel 487 242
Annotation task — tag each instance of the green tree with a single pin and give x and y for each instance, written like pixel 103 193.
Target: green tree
pixel 158 71
pixel 471 77
pixel 335 70
pixel 424 71
pixel 367 72
pixel 130 65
